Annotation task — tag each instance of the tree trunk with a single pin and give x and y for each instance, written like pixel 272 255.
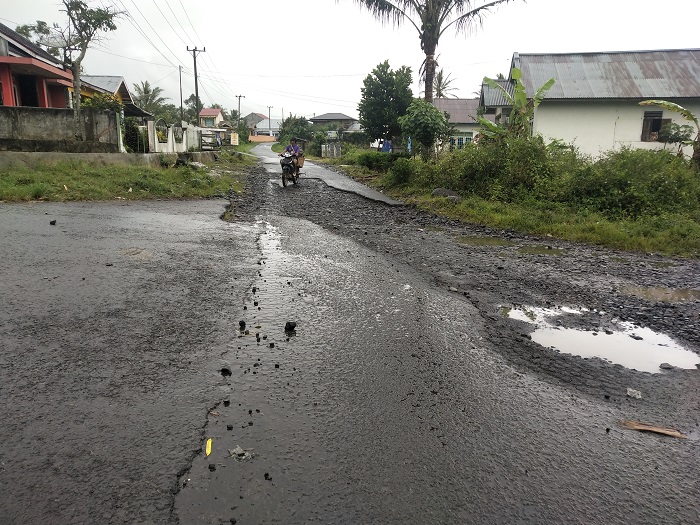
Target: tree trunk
pixel 78 130
pixel 429 75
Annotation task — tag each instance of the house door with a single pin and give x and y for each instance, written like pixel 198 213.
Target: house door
pixel 28 93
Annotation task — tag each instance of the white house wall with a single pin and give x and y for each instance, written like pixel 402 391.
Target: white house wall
pixel 596 127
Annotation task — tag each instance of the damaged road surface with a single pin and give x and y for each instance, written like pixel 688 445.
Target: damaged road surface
pixel 326 358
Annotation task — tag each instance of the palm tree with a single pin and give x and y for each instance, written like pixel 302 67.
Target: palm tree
pixel 431 18
pixel 148 98
pixel 442 85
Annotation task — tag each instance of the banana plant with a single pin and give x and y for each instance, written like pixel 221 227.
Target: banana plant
pixel 687 115
pixel 523 109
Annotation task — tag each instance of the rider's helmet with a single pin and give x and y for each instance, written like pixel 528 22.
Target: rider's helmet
pixel 293 139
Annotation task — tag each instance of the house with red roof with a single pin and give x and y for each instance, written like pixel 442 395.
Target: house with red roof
pixel 211 117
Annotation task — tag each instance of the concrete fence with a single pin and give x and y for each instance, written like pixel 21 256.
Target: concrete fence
pixel 50 129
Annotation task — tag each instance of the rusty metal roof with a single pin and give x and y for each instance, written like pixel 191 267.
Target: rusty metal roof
pixel 613 75
pixel 461 110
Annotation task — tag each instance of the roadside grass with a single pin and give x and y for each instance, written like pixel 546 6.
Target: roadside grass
pixel 76 181
pixel 668 234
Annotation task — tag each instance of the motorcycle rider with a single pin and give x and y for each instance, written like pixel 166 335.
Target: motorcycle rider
pixel 296 152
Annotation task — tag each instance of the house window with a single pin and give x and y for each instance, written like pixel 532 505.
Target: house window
pixel 651 125
pixel 209 122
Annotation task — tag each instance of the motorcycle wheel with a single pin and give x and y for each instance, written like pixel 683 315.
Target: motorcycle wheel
pixel 284 178
pixel 295 178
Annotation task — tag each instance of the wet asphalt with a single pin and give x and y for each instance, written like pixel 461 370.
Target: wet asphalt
pixel 390 402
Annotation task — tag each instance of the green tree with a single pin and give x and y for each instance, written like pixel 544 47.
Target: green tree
pixel 426 125
pixel 191 104
pixel 431 18
pixel 84 27
pixel 386 96
pixel 50 38
pixel 149 98
pixel 687 115
pixel 523 108
pixel 294 126
pixel 442 85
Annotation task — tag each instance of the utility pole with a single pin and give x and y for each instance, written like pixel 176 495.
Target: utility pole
pixel 196 85
pixel 269 121
pixel 238 124
pixel 182 111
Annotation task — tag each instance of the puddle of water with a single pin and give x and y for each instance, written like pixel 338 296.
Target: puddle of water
pixel 541 249
pixel 484 241
pixel 633 347
pixel 667 295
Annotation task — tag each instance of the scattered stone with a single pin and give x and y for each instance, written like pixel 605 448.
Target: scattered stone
pixel 268 477
pixel 442 192
pixel 272 345
pixel 666 366
pixel 212 466
pixel 242 325
pixel 229 427
pixel 53 222
pixel 290 326
pixel 225 371
pixel 254 289
pixel 277 365
pixel 227 403
pixel 631 392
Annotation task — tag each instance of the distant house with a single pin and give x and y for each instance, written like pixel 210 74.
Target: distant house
pixel 211 117
pixel 115 86
pixel 29 76
pixel 268 127
pixel 495 104
pixel 251 119
pixel 336 119
pixel 594 103
pixel 463 114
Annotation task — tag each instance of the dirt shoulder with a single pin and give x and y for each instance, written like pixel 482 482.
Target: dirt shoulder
pixel 495 269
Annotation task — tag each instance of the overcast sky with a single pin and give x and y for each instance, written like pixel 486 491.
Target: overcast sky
pixel 309 57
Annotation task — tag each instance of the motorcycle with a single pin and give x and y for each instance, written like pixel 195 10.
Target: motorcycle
pixel 290 172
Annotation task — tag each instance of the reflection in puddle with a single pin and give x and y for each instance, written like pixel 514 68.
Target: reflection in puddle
pixel 541 249
pixel 667 295
pixel 630 346
pixel 484 241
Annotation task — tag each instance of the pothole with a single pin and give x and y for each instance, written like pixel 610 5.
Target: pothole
pixel 666 295
pixel 620 342
pixel 484 241
pixel 541 249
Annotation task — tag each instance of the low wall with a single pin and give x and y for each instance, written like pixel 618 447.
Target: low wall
pixel 262 138
pixel 50 129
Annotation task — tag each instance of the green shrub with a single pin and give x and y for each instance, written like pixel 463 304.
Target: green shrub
pixel 633 182
pixel 401 171
pixel 376 160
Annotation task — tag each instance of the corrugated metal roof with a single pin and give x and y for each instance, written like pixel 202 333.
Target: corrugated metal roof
pixel 461 110
pixel 110 84
pixel 613 75
pixel 491 97
pixel 331 116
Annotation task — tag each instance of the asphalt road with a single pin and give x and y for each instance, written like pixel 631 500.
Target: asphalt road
pixel 122 355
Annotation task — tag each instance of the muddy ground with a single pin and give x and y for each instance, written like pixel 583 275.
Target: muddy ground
pixel 494 269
